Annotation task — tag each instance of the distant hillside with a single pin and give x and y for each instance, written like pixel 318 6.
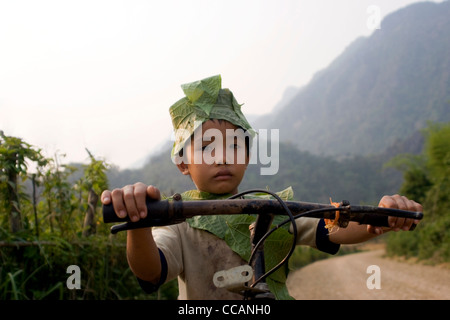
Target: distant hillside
pixel 380 89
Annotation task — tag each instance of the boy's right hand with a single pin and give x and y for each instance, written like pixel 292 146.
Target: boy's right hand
pixel 130 200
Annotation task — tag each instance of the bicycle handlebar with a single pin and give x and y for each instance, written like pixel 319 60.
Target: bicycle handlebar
pixel 167 212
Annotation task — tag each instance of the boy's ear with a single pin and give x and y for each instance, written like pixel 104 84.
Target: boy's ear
pixel 184 169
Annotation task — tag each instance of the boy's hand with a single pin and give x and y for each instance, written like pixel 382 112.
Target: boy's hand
pixel 395 223
pixel 130 200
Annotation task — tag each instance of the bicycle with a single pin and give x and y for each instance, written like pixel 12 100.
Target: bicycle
pixel 249 279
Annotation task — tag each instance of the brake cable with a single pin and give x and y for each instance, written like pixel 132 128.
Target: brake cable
pixel 260 241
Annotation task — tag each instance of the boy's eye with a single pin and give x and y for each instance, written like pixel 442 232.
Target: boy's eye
pixel 210 146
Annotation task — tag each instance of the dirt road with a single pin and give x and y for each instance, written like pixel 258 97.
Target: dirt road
pixel 346 277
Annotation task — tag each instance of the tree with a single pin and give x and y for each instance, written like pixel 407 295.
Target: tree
pixel 14 153
pixel 94 182
pixel 57 192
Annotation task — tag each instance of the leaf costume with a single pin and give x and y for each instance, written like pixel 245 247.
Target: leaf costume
pixel 204 100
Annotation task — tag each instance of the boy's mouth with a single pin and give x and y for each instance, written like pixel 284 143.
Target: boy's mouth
pixel 223 174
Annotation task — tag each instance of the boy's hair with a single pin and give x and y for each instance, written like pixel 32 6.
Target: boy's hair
pixel 205 99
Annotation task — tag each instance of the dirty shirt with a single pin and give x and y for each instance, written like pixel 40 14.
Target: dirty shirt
pixel 193 251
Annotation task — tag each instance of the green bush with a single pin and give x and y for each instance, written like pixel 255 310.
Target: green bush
pixel 39 271
pixel 427 179
pixel 43 231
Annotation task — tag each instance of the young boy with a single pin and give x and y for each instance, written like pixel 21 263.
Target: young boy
pixel 208 150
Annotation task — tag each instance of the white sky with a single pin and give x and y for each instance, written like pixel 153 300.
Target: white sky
pixel 103 74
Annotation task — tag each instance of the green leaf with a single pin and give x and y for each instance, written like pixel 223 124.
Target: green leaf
pixel 279 289
pixel 237 235
pixel 203 93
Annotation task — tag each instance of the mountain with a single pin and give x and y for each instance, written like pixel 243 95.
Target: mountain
pixel 380 89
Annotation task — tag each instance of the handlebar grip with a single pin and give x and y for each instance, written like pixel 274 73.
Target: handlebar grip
pixel 379 221
pixel 375 220
pixel 156 210
pixel 110 216
pixel 159 213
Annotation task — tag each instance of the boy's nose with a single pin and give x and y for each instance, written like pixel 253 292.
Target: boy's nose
pixel 221 157
pixel 224 156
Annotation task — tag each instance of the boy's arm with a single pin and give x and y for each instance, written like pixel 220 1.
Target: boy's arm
pixel 142 252
pixel 356 233
pixel 143 255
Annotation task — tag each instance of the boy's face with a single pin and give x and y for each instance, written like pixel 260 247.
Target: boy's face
pixel 216 158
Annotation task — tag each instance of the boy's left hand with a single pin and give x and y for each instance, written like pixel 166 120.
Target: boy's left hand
pixel 395 223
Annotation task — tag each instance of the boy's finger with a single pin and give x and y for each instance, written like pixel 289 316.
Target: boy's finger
pixel 130 203
pixel 396 223
pixel 153 192
pixel 117 201
pixel 374 230
pixel 140 193
pixel 388 202
pixel 106 197
pixel 414 206
pixel 418 207
pixel 407 225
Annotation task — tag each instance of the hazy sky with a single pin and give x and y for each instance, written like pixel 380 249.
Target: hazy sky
pixel 102 74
